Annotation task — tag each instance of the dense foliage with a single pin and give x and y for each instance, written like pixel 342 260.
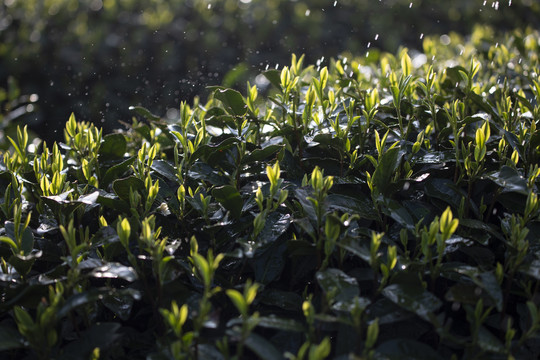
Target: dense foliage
pixel 382 206
pixel 94 56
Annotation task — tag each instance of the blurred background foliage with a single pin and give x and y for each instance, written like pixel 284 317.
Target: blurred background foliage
pixel 98 57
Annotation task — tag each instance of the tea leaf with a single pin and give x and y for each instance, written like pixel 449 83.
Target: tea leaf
pixel 230 198
pixel 233 101
pixel 339 285
pixel 413 298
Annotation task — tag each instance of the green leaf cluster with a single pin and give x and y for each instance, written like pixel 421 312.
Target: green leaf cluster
pixel 374 208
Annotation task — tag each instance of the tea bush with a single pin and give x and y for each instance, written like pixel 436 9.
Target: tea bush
pixel 380 207
pixel 94 56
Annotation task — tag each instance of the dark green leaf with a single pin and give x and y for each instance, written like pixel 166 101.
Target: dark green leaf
pixel 261 154
pixel 90 296
pixel 204 151
pixel 445 190
pixel 388 312
pixel 274 77
pixel 264 349
pixel 274 322
pixel 113 147
pixel 485 105
pixel 165 169
pixel 354 247
pixel 233 101
pixel 276 224
pixel 269 261
pixel 114 270
pixel 116 171
pixel 144 113
pixel 361 206
pixel 230 198
pixel 480 225
pixel 204 172
pixel 342 286
pixel 485 280
pixel 382 177
pixel 510 180
pixel 120 304
pixel 513 140
pixel 489 342
pixel 122 186
pixel 413 297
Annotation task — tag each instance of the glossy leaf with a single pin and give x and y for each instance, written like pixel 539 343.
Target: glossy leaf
pixel 233 101
pixel 342 286
pixel 113 147
pixel 413 298
pixel 230 198
pixel 122 187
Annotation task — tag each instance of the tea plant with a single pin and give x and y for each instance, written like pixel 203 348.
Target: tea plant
pixel 375 207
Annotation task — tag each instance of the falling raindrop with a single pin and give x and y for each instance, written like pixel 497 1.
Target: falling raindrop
pixel 308 12
pixel 209 6
pixel 368 44
pixel 421 36
pixel 410 5
pixel 335 3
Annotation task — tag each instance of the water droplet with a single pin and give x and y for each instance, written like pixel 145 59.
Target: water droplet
pixel 209 6
pixel 410 5
pixel 308 12
pixel 421 36
pixel 509 2
pixel 335 3
pixel 368 45
pixel 376 37
pixel 445 39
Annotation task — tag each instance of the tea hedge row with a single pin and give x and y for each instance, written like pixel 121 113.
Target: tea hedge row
pixel 101 55
pixel 373 208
